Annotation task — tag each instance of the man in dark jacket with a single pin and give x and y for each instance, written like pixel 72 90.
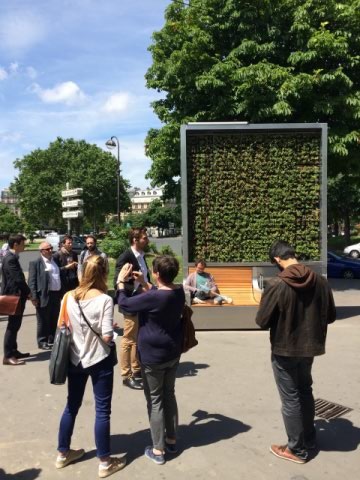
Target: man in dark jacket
pixel 45 286
pixel 129 363
pixel 297 307
pixel 66 260
pixel 14 284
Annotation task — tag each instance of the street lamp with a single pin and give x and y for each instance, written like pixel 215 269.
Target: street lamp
pixel 112 143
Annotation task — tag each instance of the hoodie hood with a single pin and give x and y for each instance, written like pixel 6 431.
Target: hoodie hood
pixel 298 276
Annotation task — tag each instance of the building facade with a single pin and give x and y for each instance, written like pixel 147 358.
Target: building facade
pixel 10 200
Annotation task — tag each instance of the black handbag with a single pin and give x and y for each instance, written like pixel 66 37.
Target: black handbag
pixel 60 356
pixel 110 347
pixel 189 339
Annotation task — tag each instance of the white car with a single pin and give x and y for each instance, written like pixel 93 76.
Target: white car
pixel 353 250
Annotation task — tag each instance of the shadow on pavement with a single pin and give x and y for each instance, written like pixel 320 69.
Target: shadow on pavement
pixel 337 435
pixel 342 285
pixel 205 429
pixel 342 313
pixel 189 369
pixel 29 474
pixel 208 428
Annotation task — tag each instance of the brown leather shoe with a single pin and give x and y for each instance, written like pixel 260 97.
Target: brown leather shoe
pixel 282 451
pixel 12 361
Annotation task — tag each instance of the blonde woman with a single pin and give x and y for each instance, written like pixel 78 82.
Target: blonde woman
pixel 89 357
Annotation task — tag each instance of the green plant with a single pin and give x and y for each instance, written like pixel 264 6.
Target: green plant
pixel 247 190
pixel 166 250
pixel 116 241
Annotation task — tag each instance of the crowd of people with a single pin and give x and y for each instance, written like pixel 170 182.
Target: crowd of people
pixel 296 306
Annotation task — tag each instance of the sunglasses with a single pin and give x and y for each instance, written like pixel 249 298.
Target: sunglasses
pixel 46 249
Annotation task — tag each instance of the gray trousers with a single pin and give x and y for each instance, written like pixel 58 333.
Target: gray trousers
pixel 159 389
pixel 294 381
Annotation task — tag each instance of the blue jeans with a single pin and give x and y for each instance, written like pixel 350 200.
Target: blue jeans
pixel 102 376
pixel 294 381
pixel 159 389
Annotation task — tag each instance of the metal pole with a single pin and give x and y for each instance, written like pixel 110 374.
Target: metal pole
pixel 118 181
pixel 68 210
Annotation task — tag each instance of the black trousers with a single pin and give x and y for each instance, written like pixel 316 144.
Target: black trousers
pixel 294 381
pixel 13 326
pixel 47 318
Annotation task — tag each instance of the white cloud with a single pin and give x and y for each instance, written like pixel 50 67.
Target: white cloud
pixel 14 67
pixel 67 92
pixel 117 102
pixel 9 137
pixel 31 72
pixel 20 31
pixel 3 74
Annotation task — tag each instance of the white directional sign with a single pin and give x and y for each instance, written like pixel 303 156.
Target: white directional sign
pixel 73 214
pixel 73 203
pixel 75 192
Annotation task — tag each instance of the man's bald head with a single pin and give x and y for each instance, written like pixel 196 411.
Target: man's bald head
pixel 45 249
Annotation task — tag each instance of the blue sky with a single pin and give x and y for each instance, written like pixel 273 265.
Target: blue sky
pixel 75 68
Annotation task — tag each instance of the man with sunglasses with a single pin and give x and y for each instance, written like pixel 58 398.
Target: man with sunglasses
pixel 45 286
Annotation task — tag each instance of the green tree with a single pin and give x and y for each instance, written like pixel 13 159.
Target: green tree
pixel 9 222
pixel 258 61
pixel 160 216
pixel 44 173
pixel 116 241
pixel 343 201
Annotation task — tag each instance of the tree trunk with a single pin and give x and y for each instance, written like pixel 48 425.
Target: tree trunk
pixel 347 228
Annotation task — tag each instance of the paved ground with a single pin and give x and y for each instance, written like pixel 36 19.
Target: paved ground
pixel 229 411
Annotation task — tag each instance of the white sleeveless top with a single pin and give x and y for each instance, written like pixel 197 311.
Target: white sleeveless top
pixel 86 347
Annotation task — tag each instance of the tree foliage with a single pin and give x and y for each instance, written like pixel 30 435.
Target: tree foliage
pixel 9 222
pixel 344 200
pixel 157 215
pixel 258 61
pixel 44 173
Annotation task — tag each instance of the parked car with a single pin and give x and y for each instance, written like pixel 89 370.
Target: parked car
pixel 342 267
pixel 353 250
pixel 55 239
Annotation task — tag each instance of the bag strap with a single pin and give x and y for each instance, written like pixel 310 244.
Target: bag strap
pixel 89 325
pixel 63 315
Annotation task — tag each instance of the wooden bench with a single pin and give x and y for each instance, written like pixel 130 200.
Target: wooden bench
pixel 234 282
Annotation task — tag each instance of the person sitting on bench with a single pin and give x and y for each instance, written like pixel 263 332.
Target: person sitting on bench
pixel 202 286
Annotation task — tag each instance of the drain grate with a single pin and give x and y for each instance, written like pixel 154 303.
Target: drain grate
pixel 329 410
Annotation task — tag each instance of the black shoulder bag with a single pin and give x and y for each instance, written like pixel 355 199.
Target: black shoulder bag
pixel 110 347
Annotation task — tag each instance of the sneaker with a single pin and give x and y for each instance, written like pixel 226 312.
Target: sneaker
pixel 282 451
pixel 71 456
pixel 115 465
pixel 197 300
pixel 227 299
pixel 158 459
pixel 171 448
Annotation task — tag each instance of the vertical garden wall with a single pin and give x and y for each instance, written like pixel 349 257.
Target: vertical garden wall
pixel 245 186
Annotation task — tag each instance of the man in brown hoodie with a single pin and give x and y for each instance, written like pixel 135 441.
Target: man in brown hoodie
pixel 296 306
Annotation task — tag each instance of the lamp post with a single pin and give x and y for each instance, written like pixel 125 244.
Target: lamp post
pixel 112 143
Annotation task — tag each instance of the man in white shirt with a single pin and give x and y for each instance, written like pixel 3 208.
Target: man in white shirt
pixel 45 286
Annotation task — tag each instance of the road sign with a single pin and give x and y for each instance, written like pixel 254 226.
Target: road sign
pixel 73 214
pixel 73 203
pixel 75 192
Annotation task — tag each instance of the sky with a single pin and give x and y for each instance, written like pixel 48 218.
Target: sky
pixel 75 68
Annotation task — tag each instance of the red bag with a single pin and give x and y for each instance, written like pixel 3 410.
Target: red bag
pixel 10 305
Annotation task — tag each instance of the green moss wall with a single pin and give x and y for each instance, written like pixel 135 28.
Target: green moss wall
pixel 246 190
